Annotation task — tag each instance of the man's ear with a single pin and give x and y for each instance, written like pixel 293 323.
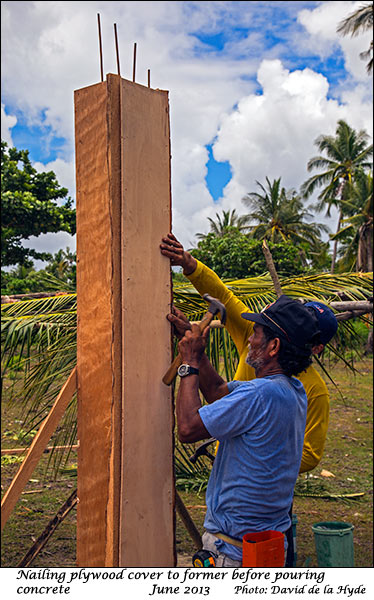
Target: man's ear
pixel 318 349
pixel 274 347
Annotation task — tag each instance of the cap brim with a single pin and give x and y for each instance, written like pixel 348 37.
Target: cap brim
pixel 256 317
pixel 261 320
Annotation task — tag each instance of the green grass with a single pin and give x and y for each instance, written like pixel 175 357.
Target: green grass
pixel 348 455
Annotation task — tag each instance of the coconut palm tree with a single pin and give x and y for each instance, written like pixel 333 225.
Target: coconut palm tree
pixel 356 232
pixel 347 153
pixel 359 21
pixel 224 223
pixel 280 215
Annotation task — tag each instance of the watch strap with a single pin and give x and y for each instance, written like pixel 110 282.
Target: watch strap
pixel 184 370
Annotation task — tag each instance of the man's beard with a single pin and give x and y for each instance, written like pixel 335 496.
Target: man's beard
pixel 256 363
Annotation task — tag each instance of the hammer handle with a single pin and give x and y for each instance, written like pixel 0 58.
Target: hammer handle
pixel 171 373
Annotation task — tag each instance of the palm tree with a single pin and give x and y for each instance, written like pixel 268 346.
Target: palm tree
pixel 356 232
pixel 347 153
pixel 359 21
pixel 280 216
pixel 224 223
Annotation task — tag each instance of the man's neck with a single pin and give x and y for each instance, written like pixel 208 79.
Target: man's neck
pixel 269 369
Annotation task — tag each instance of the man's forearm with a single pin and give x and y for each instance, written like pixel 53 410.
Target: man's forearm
pixel 189 263
pixel 190 425
pixel 211 384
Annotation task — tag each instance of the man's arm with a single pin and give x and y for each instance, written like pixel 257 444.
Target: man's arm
pixel 206 281
pixel 190 425
pixel 211 384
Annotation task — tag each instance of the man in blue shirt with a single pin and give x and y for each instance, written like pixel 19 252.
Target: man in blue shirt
pixel 260 425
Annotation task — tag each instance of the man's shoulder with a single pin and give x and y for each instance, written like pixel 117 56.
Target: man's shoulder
pixel 268 384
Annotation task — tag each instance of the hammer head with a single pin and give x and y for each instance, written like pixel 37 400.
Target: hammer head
pixel 215 306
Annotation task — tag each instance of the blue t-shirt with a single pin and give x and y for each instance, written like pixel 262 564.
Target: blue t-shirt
pixel 260 425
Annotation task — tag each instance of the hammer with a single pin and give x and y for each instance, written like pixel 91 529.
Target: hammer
pixel 215 306
pixel 202 451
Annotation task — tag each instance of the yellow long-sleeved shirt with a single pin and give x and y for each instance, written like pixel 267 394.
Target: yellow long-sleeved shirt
pixel 317 420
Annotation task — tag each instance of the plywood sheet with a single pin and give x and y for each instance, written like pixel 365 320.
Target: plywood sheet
pixel 147 509
pixel 99 322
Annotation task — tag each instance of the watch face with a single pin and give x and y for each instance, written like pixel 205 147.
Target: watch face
pixel 187 370
pixel 183 370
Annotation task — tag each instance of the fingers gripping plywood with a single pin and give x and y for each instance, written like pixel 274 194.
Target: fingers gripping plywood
pixel 125 417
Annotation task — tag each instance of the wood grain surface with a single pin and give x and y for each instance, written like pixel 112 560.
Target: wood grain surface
pixel 125 413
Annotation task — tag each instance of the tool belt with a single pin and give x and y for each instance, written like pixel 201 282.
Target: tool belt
pixel 228 539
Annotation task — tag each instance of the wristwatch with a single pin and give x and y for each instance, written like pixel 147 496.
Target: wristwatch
pixel 185 370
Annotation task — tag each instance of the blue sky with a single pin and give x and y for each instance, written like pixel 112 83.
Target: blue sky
pixel 251 86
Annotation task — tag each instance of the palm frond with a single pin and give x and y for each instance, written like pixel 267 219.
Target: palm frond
pixel 39 340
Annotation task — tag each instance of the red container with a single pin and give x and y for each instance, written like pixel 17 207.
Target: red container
pixel 263 549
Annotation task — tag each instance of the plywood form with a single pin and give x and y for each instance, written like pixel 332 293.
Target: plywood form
pixel 99 325
pixel 125 470
pixel 147 487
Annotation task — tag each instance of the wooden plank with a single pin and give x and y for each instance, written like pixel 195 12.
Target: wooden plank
pixel 97 136
pixel 16 451
pixel 147 494
pixel 37 447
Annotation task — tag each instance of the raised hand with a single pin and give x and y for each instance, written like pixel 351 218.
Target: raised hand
pixel 174 250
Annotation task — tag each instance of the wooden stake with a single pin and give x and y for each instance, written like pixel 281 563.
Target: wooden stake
pixel 117 51
pixel 100 48
pixel 39 544
pixel 134 64
pixel 271 267
pixel 188 522
pixel 37 447
pixel 149 78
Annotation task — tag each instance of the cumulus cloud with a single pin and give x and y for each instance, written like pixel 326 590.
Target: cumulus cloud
pixel 272 134
pixel 7 123
pixel 321 24
pixel 263 116
pixel 64 171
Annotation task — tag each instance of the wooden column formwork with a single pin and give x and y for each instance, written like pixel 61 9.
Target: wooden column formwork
pixel 125 512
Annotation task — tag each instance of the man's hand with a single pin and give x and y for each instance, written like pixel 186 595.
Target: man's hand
pixel 192 345
pixel 180 323
pixel 174 250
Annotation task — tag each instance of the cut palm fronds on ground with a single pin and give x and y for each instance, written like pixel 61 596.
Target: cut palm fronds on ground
pixel 311 486
pixel 354 496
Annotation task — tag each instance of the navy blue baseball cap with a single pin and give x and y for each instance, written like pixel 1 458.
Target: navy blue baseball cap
pixel 288 318
pixel 327 321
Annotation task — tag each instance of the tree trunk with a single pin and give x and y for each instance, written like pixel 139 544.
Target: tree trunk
pixel 335 247
pixel 365 248
pixel 369 343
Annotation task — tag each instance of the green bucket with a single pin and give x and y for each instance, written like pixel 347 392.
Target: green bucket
pixel 334 544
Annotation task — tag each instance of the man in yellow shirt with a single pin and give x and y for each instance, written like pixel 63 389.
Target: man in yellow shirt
pixel 206 281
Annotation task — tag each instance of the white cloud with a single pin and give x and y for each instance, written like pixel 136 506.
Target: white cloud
pixel 64 171
pixel 51 48
pixel 272 135
pixel 321 23
pixel 50 242
pixel 7 123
